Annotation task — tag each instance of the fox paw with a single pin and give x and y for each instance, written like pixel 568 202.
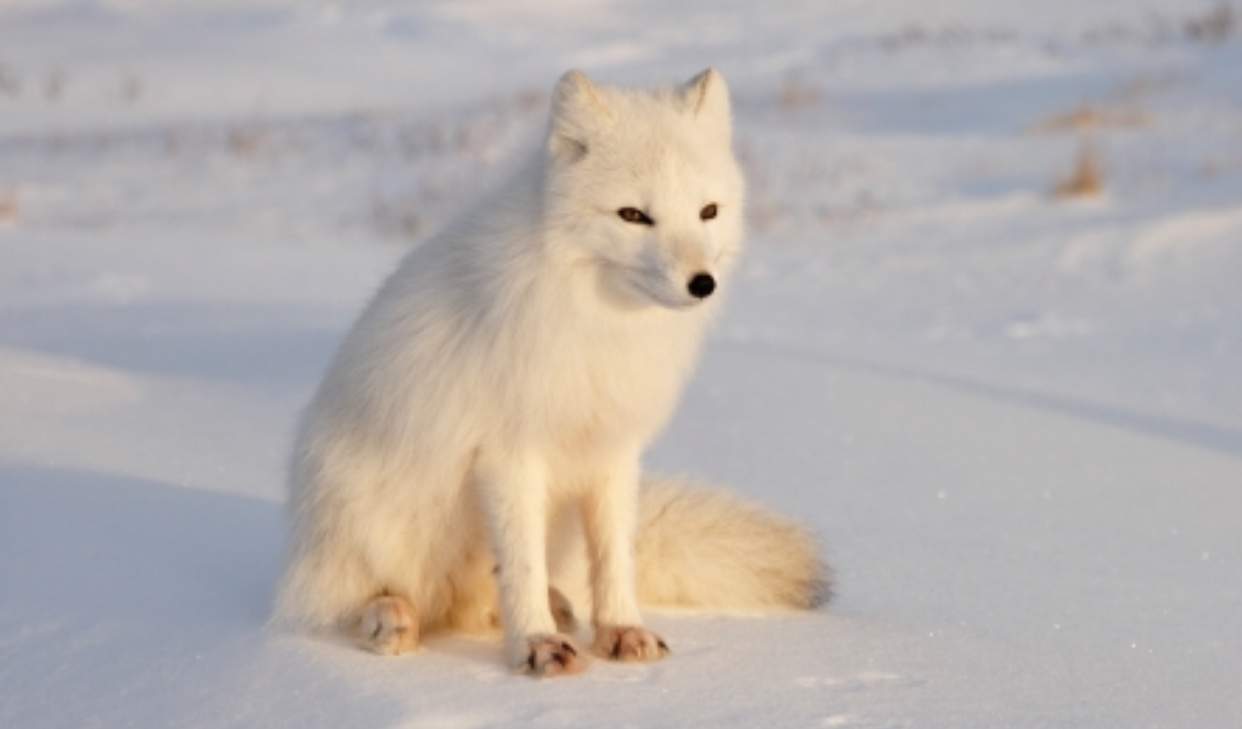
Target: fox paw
pixel 551 655
pixel 629 643
pixel 386 626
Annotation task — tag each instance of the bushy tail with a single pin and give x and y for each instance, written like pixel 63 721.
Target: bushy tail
pixel 706 548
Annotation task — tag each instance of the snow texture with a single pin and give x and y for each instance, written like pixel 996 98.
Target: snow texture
pixel 1014 416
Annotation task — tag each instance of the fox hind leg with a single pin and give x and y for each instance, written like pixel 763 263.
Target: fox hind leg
pixel 562 611
pixel 386 625
pixel 475 604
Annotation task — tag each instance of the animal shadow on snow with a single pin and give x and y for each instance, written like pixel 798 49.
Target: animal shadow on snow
pixel 233 342
pixel 155 586
pixel 1181 430
pixel 84 546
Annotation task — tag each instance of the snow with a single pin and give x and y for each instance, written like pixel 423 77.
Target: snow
pixel 1014 418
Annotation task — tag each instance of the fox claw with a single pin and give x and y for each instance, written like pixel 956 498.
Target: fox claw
pixel 552 655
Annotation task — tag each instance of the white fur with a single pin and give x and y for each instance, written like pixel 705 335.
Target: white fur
pixel 511 372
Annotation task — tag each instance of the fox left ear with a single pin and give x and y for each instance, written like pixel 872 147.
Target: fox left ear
pixel 706 98
pixel 579 115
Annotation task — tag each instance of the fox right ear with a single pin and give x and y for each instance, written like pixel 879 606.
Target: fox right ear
pixel 706 98
pixel 578 113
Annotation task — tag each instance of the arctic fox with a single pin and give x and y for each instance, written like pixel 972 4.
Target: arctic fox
pixel 481 426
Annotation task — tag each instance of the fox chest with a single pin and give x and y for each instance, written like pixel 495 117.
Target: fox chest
pixel 607 393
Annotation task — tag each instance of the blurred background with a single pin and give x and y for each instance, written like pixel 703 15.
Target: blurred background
pixel 1056 185
pixel 987 336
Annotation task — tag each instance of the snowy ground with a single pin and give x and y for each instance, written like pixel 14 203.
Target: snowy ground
pixel 1015 418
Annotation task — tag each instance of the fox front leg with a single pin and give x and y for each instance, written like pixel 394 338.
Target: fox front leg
pixel 512 489
pixel 609 518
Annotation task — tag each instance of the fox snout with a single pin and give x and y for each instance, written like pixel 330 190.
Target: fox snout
pixel 701 285
pixel 672 276
pixel 688 257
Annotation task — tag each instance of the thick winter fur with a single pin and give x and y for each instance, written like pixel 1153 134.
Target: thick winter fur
pixel 496 396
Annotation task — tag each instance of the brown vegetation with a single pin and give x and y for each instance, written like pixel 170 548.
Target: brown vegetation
pixel 1088 116
pixel 8 206
pixel 1214 26
pixel 1087 177
pixel 796 93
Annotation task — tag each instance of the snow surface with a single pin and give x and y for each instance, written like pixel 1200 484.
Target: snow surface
pixel 1015 419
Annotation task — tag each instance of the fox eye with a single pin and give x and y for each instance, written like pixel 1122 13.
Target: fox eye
pixel 634 215
pixel 708 212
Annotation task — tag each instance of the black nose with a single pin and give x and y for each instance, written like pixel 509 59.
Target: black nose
pixel 702 285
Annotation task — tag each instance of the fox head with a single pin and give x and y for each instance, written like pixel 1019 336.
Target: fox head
pixel 645 187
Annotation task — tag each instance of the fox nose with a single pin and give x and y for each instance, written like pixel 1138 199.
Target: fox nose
pixel 701 285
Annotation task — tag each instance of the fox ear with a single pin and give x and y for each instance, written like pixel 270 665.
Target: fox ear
pixel 706 98
pixel 579 112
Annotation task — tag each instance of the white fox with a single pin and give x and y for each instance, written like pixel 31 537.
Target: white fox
pixel 482 425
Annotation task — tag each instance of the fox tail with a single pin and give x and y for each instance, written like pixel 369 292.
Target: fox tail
pixel 705 548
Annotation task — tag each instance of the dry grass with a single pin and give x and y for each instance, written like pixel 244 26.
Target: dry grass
pixel 131 89
pixel 796 93
pixel 1087 116
pixel 396 218
pixel 1087 177
pixel 10 85
pixel 247 141
pixel 54 84
pixel 1146 85
pixel 1214 26
pixel 9 206
pixel 530 100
